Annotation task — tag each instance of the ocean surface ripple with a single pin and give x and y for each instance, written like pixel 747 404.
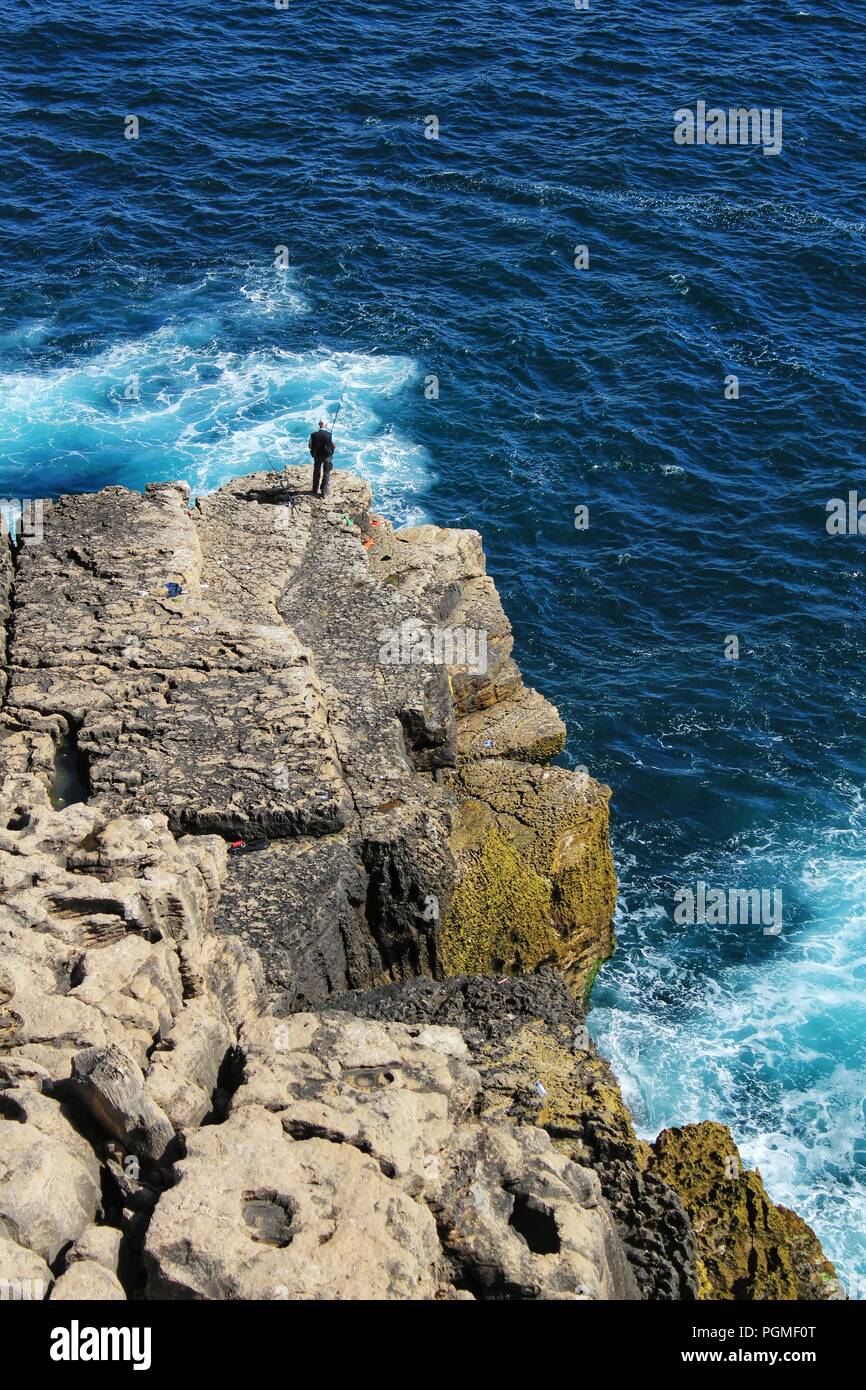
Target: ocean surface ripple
pixel 148 331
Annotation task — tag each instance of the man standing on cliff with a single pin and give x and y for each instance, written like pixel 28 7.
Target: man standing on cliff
pixel 322 449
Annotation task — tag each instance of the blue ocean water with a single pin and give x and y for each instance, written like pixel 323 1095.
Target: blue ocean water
pixel 146 332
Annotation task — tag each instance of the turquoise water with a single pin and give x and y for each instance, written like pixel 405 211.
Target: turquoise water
pixel 146 332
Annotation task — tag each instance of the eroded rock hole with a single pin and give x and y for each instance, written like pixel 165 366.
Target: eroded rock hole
pixel 71 781
pixel 269 1216
pixel 77 972
pixel 11 1110
pixel 533 1220
pixel 368 1078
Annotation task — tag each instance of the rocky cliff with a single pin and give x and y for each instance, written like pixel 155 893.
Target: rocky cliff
pixel 297 924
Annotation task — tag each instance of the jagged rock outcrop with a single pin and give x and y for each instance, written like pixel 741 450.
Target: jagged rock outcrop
pixel 105 929
pixel 108 949
pixel 748 1247
pixel 534 877
pixel 319 679
pixel 262 694
pixel 527 1037
pixel 352 1164
pixel 267 1073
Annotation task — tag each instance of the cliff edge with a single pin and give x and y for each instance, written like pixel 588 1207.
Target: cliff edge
pixel 298 924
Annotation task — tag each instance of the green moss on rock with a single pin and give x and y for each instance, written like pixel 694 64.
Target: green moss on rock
pixel 536 882
pixel 500 917
pixel 748 1247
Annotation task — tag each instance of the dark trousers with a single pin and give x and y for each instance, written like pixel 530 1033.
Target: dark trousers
pixel 322 468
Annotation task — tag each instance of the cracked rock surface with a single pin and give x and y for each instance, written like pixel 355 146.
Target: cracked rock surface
pixel 286 1072
pixel 352 1163
pixel 267 698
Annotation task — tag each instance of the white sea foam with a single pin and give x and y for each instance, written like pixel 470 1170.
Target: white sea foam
pixel 771 1044
pixel 176 403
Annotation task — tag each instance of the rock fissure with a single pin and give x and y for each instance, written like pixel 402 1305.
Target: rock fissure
pixel 315 1069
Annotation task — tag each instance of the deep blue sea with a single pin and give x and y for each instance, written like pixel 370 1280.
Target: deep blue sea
pixel 147 333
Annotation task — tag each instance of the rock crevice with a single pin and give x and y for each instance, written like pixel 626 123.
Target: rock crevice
pixel 345 1062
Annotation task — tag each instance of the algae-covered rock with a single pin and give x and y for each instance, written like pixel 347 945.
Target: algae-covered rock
pixel 500 916
pixel 749 1248
pixel 525 726
pixel 815 1275
pixel 527 1037
pixel 536 882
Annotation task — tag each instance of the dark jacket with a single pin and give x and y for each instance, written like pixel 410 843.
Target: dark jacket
pixel 321 445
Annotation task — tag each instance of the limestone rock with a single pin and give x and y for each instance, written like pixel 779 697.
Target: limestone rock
pixel 88 1282
pixel 352 1162
pixel 352 1081
pixel 263 666
pixel 100 1244
pixel 111 1086
pixel 102 925
pixel 185 1066
pixel 186 706
pixel 443 571
pixel 525 727
pixel 49 1174
pixel 272 698
pixel 257 1215
pixel 23 1274
pixel 519 1220
pixel 235 977
pixel 530 1031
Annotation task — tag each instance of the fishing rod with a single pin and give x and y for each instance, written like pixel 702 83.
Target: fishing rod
pixel 285 467
pixel 337 411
